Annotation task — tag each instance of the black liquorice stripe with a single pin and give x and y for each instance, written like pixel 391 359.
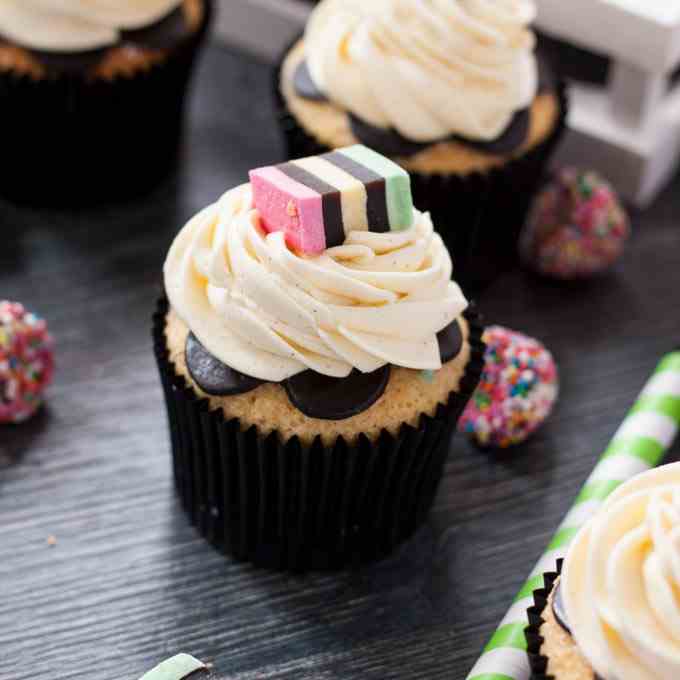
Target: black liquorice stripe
pixel 376 189
pixel 331 201
pixel 164 34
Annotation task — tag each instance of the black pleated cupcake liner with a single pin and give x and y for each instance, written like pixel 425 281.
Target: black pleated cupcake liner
pixel 286 505
pixel 479 215
pixel 69 140
pixel 538 662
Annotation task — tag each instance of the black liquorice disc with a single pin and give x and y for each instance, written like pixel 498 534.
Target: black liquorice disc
pixel 391 143
pixel 320 396
pixel 512 138
pixel 212 376
pixel 450 342
pixel 559 610
pixel 305 86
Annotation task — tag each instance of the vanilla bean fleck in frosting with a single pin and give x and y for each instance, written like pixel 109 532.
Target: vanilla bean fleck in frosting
pixel 271 313
pixel 428 69
pixel 77 25
pixel 621 581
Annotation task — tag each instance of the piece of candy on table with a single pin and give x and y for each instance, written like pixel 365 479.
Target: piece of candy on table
pixel 317 201
pixel 26 362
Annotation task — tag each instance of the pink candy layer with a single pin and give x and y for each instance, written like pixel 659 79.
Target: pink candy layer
pixel 288 206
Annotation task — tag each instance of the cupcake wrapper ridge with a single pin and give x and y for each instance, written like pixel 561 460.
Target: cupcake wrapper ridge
pixel 479 215
pixel 69 140
pixel 285 505
pixel 538 662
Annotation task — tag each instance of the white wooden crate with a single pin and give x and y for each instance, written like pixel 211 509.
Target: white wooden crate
pixel 629 130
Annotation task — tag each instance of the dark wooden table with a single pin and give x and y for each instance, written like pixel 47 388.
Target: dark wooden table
pixel 128 582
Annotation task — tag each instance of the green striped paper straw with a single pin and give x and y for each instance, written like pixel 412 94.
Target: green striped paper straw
pixel 638 445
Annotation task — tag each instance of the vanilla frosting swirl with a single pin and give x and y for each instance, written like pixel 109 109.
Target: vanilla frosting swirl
pixel 429 69
pixel 77 25
pixel 621 581
pixel 270 313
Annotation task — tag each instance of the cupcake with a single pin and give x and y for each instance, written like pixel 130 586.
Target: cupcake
pixel 92 95
pixel 315 356
pixel 613 612
pixel 449 89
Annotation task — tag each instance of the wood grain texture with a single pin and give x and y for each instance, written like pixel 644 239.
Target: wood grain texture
pixel 128 582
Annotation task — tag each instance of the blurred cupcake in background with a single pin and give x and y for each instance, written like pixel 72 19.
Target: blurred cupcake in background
pixel 451 90
pixel 92 94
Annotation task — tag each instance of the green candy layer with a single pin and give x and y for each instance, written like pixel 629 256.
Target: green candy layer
pixel 397 184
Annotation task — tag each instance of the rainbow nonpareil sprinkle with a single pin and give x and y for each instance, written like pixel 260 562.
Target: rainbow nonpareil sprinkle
pixel 517 391
pixel 26 362
pixel 577 227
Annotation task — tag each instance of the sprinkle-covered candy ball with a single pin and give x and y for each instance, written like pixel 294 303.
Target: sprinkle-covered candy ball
pixel 26 362
pixel 577 227
pixel 517 391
